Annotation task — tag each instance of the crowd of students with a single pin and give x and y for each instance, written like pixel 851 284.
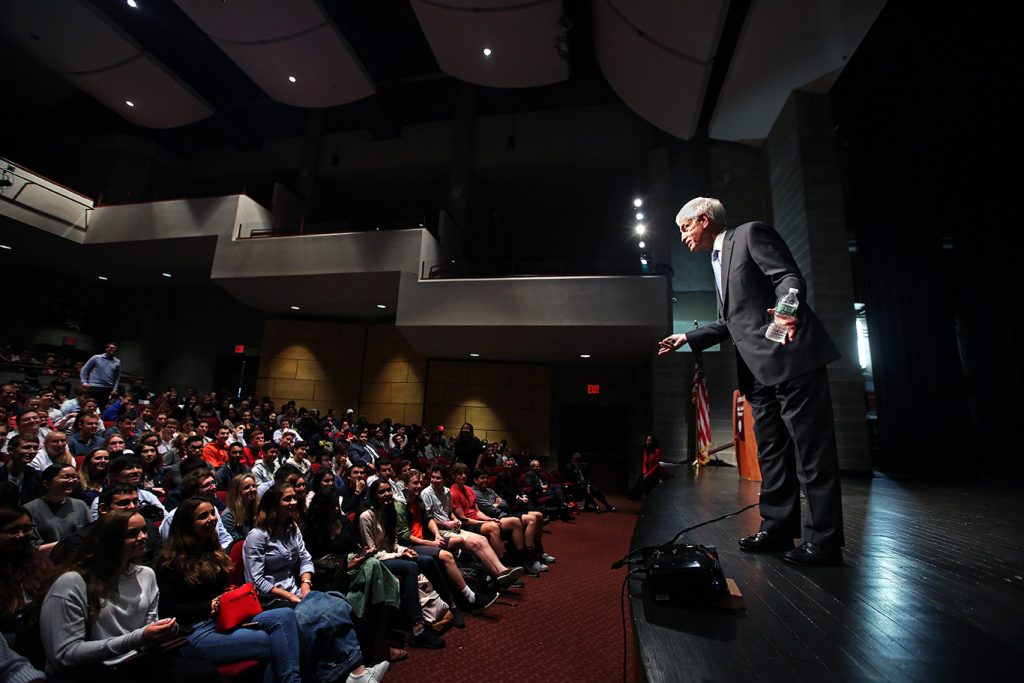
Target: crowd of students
pixel 120 516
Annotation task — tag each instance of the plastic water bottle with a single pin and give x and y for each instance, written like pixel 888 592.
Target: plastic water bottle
pixel 787 306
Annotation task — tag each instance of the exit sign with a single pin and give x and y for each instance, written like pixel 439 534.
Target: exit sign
pixel 593 388
pixel 239 348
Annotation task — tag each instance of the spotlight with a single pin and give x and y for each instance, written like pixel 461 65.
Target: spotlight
pixel 291 79
pixel 133 4
pixel 487 52
pixel 295 308
pixel 639 215
pixel 642 245
pixel 638 202
pixel 129 103
pixel 640 229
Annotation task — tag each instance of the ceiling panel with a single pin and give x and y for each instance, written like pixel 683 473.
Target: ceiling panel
pixel 522 37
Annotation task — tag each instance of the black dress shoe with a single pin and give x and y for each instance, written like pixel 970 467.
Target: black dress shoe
pixel 810 554
pixel 763 542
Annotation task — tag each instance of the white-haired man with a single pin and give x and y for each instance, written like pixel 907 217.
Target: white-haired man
pixel 785 384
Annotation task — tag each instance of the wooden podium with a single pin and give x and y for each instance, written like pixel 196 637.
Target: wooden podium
pixel 743 438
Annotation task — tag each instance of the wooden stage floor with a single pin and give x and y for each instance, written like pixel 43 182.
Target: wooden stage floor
pixel 932 588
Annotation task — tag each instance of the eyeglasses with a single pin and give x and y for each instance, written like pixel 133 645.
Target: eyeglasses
pixel 19 530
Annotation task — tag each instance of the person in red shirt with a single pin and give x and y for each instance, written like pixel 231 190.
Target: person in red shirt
pixel 216 453
pixel 654 471
pixel 465 508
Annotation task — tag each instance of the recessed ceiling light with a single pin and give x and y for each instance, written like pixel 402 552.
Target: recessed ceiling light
pixel 584 355
pixel 102 277
pixel 474 355
pixel 4 246
pixel 638 202
pixel 642 245
pixel 643 260
pixel 640 229
pixel 381 306
pixel 133 4
pixel 487 52
pixel 129 103
pixel 295 308
pixel 639 215
pixel 291 79
pixel 166 274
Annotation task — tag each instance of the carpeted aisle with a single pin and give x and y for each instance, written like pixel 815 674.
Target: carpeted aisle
pixel 565 625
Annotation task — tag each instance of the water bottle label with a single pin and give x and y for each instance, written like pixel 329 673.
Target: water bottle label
pixel 786 308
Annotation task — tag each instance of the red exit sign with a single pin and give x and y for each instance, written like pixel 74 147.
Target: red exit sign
pixel 239 348
pixel 593 389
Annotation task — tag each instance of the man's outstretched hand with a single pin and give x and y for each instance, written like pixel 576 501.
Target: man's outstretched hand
pixel 671 343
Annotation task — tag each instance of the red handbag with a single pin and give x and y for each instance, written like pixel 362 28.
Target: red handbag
pixel 237 606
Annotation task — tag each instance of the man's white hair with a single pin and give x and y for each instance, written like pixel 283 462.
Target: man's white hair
pixel 706 205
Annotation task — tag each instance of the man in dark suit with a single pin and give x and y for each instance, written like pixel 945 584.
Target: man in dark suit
pixel 786 384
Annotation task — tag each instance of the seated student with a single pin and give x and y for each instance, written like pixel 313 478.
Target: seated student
pixel 233 467
pixel 116 445
pixel 281 569
pixel 192 572
pixel 191 448
pixel 540 485
pixel 255 439
pixel 28 480
pixel 300 459
pixel 342 564
pixel 113 497
pixel 415 527
pixel 152 469
pixel 105 606
pixel 199 484
pixel 577 475
pixel 377 530
pixel 386 471
pixel 532 521
pixel 437 499
pixel 185 467
pixel 507 486
pixel 243 501
pixel 126 469
pixel 22 570
pixel 92 475
pixel 353 489
pixel 216 452
pixel 473 519
pixel 264 469
pixel 325 478
pixel 54 452
pixel 57 515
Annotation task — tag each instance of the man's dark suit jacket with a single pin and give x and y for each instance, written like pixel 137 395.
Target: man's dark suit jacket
pixel 757 269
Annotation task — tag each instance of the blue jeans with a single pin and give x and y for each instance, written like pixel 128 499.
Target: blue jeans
pixel 407 572
pixel 276 639
pixel 328 636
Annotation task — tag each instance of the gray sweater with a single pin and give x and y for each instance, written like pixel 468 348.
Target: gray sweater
pixel 118 626
pixel 52 526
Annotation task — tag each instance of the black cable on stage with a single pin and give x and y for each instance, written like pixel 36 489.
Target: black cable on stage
pixel 622 613
pixel 623 560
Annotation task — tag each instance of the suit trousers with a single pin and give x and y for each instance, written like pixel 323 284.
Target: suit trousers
pixel 796 444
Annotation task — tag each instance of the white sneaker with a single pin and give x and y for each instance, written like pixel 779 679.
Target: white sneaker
pixel 546 559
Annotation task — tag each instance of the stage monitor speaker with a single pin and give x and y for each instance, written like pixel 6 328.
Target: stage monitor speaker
pixel 684 574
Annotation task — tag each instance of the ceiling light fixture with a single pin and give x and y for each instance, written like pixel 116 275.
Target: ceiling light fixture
pixel 129 103
pixel 381 306
pixel 642 245
pixel 584 355
pixel 640 229
pixel 638 202
pixel 102 277
pixel 487 52
pixel 639 215
pixel 474 355
pixel 295 308
pixel 291 79
pixel 4 246
pixel 166 274
pixel 133 4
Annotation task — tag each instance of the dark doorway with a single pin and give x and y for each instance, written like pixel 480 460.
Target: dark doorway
pixel 232 373
pixel 601 434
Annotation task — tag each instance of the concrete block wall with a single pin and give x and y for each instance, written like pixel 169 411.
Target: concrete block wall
pixel 501 400
pixel 809 214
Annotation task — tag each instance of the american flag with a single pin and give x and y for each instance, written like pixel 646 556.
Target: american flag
pixel 700 399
